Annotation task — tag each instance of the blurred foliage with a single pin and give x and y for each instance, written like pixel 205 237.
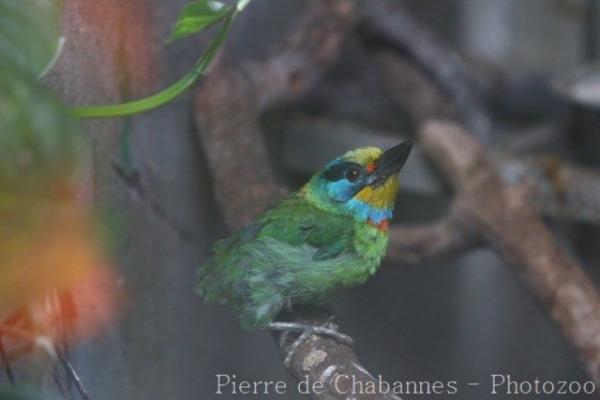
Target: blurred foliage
pixel 41 151
pixel 54 284
pixel 52 271
pixel 29 32
pixel 47 245
pixel 197 16
pixel 51 278
pixel 38 137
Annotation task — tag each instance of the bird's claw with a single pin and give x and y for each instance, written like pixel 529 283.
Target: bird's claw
pixel 306 331
pixel 304 336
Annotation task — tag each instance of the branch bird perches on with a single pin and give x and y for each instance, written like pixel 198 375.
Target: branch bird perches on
pixel 486 210
pixel 301 58
pixel 502 215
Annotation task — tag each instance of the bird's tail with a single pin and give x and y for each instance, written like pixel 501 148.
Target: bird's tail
pixel 209 281
pixel 221 278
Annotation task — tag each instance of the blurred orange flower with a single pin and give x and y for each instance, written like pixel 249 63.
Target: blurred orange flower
pixel 54 281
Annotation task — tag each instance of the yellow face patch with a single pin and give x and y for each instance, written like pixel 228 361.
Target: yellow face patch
pixel 363 155
pixel 382 196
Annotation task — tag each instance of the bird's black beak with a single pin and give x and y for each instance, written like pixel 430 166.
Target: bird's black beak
pixel 391 162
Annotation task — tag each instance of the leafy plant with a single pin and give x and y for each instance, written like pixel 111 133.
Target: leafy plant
pixel 195 17
pixel 52 266
pixel 49 247
pixel 38 137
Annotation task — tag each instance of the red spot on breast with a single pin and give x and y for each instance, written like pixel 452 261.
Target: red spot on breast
pixel 382 226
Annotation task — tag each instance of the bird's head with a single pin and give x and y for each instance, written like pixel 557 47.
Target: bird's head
pixel 362 183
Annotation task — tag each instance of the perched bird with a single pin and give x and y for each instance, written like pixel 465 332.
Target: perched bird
pixel 330 234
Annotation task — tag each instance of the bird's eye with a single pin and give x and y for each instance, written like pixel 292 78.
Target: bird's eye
pixel 353 174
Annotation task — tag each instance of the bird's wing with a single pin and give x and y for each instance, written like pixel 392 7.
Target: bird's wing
pixel 297 222
pixel 256 269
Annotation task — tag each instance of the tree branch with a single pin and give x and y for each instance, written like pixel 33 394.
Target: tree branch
pixel 324 360
pixel 443 239
pixel 504 215
pixel 387 23
pixel 559 189
pixel 229 104
pixel 228 110
pixel 485 207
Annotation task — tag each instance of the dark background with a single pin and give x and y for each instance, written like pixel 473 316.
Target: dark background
pixel 458 320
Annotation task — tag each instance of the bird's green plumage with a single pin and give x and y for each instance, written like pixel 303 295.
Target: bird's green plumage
pixel 300 252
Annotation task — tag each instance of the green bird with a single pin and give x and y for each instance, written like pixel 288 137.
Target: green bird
pixel 330 234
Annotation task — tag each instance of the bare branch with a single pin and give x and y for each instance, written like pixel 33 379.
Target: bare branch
pixel 506 217
pixel 328 362
pixel 72 375
pixel 229 103
pixel 443 239
pixel 559 189
pixel 386 22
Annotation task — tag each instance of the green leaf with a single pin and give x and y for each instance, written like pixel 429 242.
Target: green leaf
pixel 29 34
pixel 197 16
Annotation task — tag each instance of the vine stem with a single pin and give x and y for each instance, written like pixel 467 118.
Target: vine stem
pixel 170 93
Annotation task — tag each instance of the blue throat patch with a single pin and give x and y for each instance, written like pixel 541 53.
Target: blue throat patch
pixel 366 212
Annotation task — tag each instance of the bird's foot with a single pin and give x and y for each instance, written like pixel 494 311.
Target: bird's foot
pixel 306 331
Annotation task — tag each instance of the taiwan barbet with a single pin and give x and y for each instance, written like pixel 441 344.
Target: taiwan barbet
pixel 330 234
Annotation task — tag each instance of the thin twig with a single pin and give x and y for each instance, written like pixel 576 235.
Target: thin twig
pixel 65 392
pixel 6 362
pixel 72 374
pixel 134 182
